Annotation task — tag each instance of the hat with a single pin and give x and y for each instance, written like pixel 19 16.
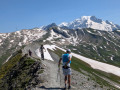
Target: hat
pixel 68 50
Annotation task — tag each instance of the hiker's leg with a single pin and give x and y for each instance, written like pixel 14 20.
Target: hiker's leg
pixel 43 56
pixel 66 79
pixel 69 80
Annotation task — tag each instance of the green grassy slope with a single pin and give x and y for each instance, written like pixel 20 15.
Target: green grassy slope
pixel 18 72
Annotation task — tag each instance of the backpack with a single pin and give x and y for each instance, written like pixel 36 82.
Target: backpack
pixel 65 57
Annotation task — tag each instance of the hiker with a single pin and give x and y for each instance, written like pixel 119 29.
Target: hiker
pixel 66 59
pixel 30 53
pixel 42 52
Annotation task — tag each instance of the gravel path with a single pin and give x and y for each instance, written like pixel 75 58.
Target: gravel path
pixel 53 81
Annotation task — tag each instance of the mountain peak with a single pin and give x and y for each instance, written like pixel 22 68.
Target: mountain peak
pixel 48 26
pixel 91 22
pixel 86 17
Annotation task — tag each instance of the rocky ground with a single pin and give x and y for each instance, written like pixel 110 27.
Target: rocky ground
pixel 55 81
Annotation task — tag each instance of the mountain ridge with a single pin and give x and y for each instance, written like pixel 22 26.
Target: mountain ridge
pixel 92 43
pixel 90 22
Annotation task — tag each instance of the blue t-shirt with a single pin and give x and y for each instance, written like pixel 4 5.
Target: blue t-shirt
pixel 65 58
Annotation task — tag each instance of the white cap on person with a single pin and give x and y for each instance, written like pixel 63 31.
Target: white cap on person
pixel 68 50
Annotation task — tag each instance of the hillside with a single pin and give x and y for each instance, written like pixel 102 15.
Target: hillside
pixel 26 72
pixel 20 73
pixel 95 46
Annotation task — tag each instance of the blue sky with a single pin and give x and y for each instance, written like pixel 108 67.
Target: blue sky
pixel 27 14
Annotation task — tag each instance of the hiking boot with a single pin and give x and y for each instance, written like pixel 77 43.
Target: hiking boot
pixel 69 87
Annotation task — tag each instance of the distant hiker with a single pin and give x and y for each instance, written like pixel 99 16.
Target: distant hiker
pixel 66 59
pixel 42 52
pixel 30 53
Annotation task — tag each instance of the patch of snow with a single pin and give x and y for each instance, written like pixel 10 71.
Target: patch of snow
pixel 99 65
pixel 1 34
pixel 73 40
pixel 25 39
pixel 8 58
pixel 95 48
pixel 111 58
pixel 111 35
pixel 51 47
pixel 84 45
pixel 17 32
pixel 117 86
pixel 115 49
pixel 104 46
pixel 83 36
pixel 74 49
pixel 53 35
pixel 44 40
pixel 90 32
pixel 65 31
pixel 118 30
pixel 12 41
pixel 100 33
pixel 63 24
pixel 101 47
pixel 20 44
pixel 0 40
pixel 63 40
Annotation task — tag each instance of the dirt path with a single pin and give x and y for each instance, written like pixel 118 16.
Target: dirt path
pixel 55 80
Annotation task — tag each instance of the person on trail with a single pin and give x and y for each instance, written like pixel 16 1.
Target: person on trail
pixel 30 53
pixel 42 52
pixel 66 59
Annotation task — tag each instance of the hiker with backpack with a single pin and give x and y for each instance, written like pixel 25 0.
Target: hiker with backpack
pixel 42 51
pixel 66 59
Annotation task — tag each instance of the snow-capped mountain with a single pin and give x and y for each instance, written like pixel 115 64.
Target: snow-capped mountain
pixel 93 43
pixel 91 22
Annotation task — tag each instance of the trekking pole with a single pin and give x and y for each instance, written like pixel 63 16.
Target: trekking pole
pixel 60 76
pixel 57 75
